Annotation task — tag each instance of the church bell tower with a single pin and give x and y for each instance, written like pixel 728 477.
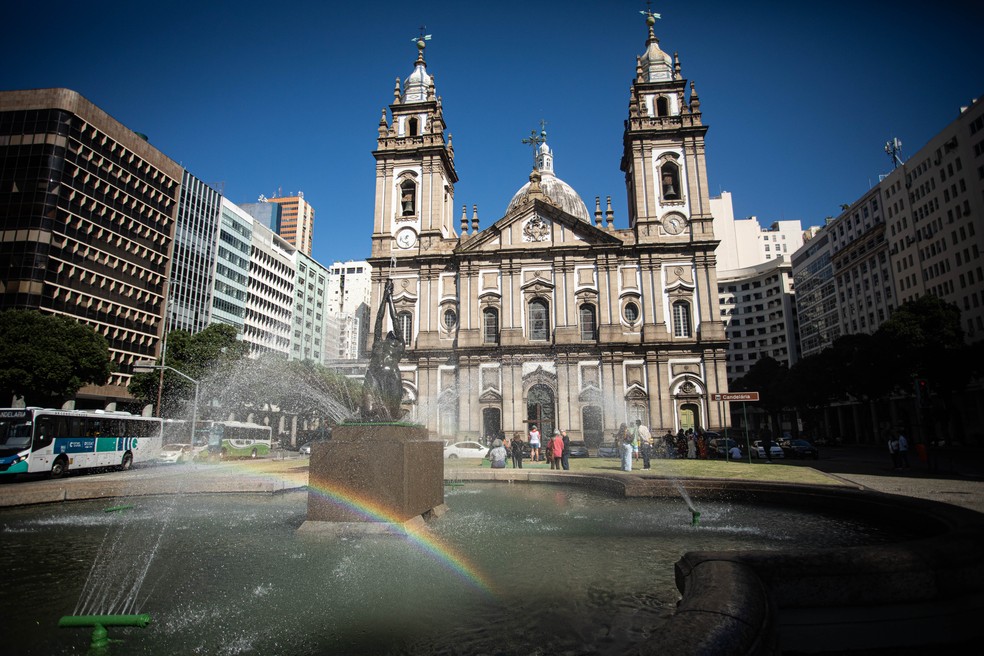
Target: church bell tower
pixel 415 173
pixel 663 151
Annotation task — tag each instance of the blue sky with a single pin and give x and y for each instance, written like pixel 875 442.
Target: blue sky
pixel 260 97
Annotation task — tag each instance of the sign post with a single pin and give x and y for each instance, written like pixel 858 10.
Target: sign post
pixel 744 397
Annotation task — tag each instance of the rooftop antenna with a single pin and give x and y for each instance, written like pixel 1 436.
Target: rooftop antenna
pixel 893 149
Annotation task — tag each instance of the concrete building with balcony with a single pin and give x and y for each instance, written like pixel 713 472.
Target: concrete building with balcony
pixel 87 217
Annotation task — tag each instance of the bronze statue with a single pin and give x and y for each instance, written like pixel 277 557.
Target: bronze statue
pixel 382 389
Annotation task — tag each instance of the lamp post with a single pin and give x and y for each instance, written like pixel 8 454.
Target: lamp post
pixel 144 367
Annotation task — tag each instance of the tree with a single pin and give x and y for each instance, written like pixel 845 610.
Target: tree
pixel 209 353
pixel 768 377
pixel 47 358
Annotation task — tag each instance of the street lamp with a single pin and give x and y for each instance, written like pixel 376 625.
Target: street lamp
pixel 146 367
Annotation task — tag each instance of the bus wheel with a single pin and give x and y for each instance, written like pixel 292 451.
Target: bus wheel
pixel 59 468
pixel 253 453
pixel 127 462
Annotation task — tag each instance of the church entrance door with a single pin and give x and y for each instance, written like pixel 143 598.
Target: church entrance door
pixel 491 423
pixel 540 411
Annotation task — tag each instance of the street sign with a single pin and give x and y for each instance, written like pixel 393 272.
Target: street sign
pixel 736 396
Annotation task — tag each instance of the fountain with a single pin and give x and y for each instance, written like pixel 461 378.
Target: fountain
pixel 389 464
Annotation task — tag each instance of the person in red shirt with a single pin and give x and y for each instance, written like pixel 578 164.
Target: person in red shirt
pixel 556 448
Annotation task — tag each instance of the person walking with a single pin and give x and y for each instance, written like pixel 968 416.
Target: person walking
pixel 555 450
pixel 517 451
pixel 645 443
pixel 767 443
pixel 535 454
pixel 628 447
pixel 903 450
pixel 691 445
pixel 565 459
pixel 893 450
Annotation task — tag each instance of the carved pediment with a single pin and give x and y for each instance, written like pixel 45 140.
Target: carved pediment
pixel 490 396
pixel 536 224
pixel 636 393
pixel 590 394
pixel 540 376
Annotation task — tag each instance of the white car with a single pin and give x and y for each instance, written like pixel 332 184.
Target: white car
pixel 174 453
pixel 466 450
pixel 758 451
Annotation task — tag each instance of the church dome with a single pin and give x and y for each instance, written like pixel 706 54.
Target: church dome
pixel 558 193
pixel 416 85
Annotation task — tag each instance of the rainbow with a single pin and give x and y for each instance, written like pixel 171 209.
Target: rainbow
pixel 371 510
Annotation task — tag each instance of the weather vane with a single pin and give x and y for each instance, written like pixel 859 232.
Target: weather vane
pixel 649 14
pixel 422 39
pixel 535 139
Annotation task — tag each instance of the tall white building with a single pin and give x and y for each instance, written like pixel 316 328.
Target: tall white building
pixel 232 255
pixel 310 311
pixel 755 287
pixel 347 304
pixel 270 303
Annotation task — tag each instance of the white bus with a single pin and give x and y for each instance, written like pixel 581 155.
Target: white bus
pixel 235 439
pixel 35 440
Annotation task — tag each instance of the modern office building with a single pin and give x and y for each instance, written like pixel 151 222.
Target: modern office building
pixel 349 292
pixel 232 266
pixel 193 259
pixel 270 300
pixel 548 315
pixel 296 221
pixel 270 215
pixel 758 307
pixel 88 213
pixel 307 340
pixel 745 243
pixel 914 233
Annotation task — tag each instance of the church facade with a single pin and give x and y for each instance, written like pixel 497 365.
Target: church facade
pixel 552 316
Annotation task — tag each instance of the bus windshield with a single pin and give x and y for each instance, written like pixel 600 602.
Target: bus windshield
pixel 15 435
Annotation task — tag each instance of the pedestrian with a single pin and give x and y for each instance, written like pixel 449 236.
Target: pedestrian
pixel 498 455
pixel 620 434
pixel 628 448
pixel 555 450
pixel 517 451
pixel 565 458
pixel 893 450
pixel 681 444
pixel 767 443
pixel 535 444
pixel 903 450
pixel 691 445
pixel 645 443
pixel 668 449
pixel 735 453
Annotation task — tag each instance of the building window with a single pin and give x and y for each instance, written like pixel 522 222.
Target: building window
pixel 670 177
pixel 588 323
pixel 490 326
pixel 681 319
pixel 539 320
pixel 631 313
pixel 662 106
pixel 450 319
pixel 404 326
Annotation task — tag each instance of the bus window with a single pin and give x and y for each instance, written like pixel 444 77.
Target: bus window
pixel 76 427
pixel 44 431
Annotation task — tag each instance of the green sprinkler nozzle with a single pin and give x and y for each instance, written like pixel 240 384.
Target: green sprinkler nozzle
pixel 99 641
pixel 695 521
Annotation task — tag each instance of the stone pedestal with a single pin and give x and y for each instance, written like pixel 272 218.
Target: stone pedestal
pixel 370 478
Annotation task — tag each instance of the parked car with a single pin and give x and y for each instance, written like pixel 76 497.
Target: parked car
pixel 579 449
pixel 608 450
pixel 175 453
pixel 305 450
pixel 466 450
pixel 799 449
pixel 718 447
pixel 775 452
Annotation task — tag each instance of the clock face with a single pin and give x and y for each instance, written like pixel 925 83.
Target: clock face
pixel 674 225
pixel 406 238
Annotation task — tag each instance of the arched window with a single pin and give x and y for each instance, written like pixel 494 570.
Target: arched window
pixel 539 320
pixel 404 326
pixel 408 198
pixel 413 127
pixel 589 323
pixel 662 106
pixel 490 326
pixel 681 319
pixel 669 174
